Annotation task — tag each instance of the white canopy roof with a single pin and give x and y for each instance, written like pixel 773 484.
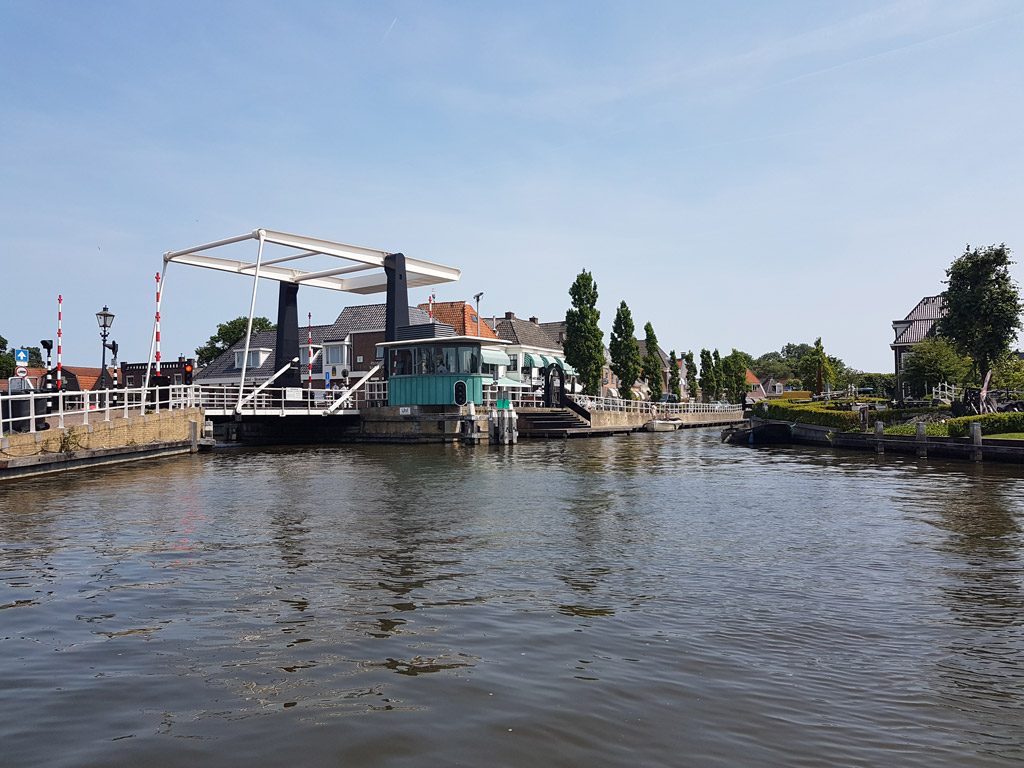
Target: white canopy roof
pixel 355 259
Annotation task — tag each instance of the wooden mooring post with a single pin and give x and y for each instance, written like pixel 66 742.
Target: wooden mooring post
pixel 879 432
pixel 922 441
pixel 976 446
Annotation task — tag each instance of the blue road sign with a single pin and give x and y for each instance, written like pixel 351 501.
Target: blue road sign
pixel 21 357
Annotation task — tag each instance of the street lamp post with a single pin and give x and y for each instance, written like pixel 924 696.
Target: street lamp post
pixel 477 297
pixel 105 318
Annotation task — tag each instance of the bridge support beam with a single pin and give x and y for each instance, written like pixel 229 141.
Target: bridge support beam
pixel 287 347
pixel 397 313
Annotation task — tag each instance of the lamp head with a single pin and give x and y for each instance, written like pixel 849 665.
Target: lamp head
pixel 105 318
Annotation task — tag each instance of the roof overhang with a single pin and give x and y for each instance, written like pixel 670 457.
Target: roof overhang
pixel 355 274
pixel 443 340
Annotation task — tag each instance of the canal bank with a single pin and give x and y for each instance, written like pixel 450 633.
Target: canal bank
pixel 110 438
pixel 975 448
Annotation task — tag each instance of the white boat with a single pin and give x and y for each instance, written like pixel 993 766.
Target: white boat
pixel 661 425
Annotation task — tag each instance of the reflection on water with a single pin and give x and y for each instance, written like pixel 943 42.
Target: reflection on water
pixel 604 602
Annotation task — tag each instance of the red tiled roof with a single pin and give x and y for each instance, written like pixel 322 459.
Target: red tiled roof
pixel 460 316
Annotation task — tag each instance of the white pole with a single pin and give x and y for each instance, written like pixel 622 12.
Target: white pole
pixel 154 346
pixel 252 310
pixel 60 339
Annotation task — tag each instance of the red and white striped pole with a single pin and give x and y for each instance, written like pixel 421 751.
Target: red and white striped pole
pixel 60 339
pixel 309 349
pixel 157 356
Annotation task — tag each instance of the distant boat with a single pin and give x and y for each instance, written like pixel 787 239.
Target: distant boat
pixel 661 425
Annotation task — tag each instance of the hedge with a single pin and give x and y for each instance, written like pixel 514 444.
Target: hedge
pixel 810 413
pixel 931 429
pixel 991 424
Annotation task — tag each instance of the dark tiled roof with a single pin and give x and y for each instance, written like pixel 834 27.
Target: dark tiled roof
pixel 919 324
pixel 556 331
pixel 525 333
pixel 367 317
pixel 642 343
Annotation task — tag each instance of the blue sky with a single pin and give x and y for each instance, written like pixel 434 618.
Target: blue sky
pixel 742 174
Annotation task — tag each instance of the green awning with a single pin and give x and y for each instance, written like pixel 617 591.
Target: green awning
pixel 532 361
pixel 506 383
pixel 494 356
pixel 547 360
pixel 566 367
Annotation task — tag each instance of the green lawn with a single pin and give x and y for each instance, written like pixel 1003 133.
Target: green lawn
pixel 1006 436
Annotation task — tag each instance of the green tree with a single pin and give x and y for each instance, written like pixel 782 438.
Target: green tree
pixel 880 384
pixel 6 360
pixel 584 341
pixel 815 368
pixel 625 352
pixel 718 376
pixel 734 373
pixel 772 364
pixel 707 376
pixel 653 364
pixel 691 375
pixel 227 334
pixel 674 384
pixel 983 305
pixel 931 362
pixel 1009 372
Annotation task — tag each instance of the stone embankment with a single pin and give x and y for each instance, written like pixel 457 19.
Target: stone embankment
pixel 119 439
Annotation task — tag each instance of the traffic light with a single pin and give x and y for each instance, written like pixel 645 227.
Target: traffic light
pixel 186 372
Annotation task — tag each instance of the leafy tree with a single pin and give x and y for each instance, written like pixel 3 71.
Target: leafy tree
pixel 772 364
pixel 625 352
pixel 816 369
pixel 674 385
pixel 734 374
pixel 6 360
pixel 880 384
pixel 227 334
pixel 691 375
pixel 707 376
pixel 1009 372
pixel 653 367
pixel 932 361
pixel 983 305
pixel 584 341
pixel 719 376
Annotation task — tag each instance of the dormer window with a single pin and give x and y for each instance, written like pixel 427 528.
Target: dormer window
pixel 257 357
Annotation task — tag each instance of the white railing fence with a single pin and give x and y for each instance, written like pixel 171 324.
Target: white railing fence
pixel 653 409
pixel 34 411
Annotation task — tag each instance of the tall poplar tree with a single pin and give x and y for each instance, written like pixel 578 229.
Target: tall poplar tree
pixel 691 375
pixel 625 352
pixel 674 385
pixel 653 366
pixel 707 376
pixel 983 305
pixel 719 374
pixel 584 340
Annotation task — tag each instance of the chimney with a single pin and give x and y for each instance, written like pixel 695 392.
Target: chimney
pixel 534 320
pixel 510 315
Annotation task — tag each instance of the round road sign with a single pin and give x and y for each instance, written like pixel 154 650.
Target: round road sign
pixel 22 371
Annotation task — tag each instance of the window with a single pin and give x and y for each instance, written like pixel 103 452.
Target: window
pixel 130 382
pixel 177 378
pixel 336 354
pixel 304 355
pixel 401 362
pixel 469 360
pixel 359 358
pixel 513 362
pixel 257 357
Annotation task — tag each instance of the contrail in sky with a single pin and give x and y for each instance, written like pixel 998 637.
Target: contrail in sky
pixel 392 26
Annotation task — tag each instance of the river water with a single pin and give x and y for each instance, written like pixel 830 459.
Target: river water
pixel 657 600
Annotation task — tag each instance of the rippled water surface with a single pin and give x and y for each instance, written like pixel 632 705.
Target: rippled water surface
pixel 645 600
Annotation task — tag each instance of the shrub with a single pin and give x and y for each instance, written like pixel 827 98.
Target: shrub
pixel 932 429
pixel 991 424
pixel 808 413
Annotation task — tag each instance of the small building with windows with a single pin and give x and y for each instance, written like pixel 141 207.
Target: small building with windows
pixel 444 370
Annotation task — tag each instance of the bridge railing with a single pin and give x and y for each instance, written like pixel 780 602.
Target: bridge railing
pixel 617 405
pixel 222 399
pixel 34 410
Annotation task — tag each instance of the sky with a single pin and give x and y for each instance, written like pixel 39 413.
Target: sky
pixel 741 174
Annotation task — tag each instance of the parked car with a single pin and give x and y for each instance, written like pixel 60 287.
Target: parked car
pixel 668 397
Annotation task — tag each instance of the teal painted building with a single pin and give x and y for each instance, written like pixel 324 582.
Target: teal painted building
pixel 434 371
